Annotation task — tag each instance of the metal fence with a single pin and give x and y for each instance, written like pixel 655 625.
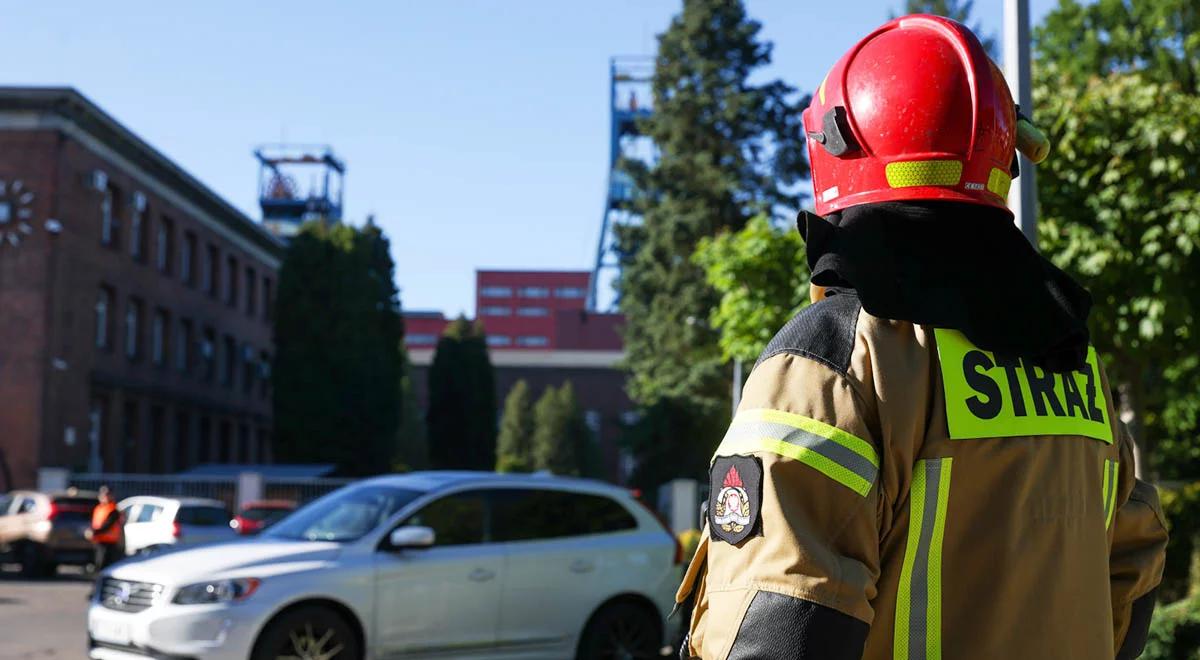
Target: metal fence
pixel 225 489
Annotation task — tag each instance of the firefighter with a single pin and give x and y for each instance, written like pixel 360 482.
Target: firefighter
pixel 106 532
pixel 926 462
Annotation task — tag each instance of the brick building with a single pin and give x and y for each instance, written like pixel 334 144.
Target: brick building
pixel 539 330
pixel 135 302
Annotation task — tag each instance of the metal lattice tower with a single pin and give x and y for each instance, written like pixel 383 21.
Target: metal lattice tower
pixel 281 170
pixel 629 101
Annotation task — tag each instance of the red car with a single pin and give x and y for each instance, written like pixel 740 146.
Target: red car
pixel 257 516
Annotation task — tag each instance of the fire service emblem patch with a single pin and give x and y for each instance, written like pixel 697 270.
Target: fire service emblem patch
pixel 735 498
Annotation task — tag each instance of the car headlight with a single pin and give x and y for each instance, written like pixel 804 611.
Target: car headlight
pixel 217 591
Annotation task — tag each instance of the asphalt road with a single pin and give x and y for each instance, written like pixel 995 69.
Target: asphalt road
pixel 43 619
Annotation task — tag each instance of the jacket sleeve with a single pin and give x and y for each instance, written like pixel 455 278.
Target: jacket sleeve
pixel 1137 556
pixel 794 576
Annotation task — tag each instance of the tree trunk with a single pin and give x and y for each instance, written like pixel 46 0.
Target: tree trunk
pixel 1131 413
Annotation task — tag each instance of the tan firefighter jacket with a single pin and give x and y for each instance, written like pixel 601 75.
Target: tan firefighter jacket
pixel 888 490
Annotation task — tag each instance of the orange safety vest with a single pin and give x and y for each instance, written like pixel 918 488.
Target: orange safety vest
pixel 99 515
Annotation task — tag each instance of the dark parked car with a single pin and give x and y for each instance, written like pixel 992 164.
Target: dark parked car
pixel 40 531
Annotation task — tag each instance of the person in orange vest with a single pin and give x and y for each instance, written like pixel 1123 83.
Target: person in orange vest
pixel 106 532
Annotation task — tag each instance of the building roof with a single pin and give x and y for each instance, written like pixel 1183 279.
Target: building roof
pixel 70 105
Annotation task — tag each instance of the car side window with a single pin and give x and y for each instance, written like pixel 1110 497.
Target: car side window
pixel 529 514
pixel 202 516
pixel 5 504
pixel 149 513
pixel 28 505
pixel 456 519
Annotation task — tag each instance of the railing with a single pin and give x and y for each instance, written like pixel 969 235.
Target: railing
pixel 226 489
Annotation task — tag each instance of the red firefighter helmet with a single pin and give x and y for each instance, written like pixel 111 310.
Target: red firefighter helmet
pixel 915 111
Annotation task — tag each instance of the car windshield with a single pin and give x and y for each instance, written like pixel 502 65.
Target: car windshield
pixel 345 515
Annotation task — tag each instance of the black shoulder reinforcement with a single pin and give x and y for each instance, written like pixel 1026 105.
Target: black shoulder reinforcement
pixel 823 332
pixel 1139 627
pixel 781 626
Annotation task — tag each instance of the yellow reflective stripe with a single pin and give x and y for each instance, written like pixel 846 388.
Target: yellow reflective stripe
pixel 847 440
pixel 905 174
pixel 1110 492
pixel 918 630
pixel 819 462
pixel 999 181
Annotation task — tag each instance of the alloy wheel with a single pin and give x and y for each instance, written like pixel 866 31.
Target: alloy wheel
pixel 303 643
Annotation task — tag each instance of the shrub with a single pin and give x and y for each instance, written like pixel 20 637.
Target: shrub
pixel 1175 632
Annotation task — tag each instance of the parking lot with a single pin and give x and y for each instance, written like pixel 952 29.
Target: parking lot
pixel 43 618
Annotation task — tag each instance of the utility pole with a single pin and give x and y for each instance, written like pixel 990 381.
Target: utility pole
pixel 1022 198
pixel 737 384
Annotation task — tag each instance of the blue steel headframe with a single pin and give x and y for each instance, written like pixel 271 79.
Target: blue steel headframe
pixel 630 101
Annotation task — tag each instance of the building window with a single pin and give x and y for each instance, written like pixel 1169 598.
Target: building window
pixel 109 230
pixel 137 220
pixel 183 346
pixel 249 367
pixel 208 349
pixel 499 340
pixel 228 361
pixel 493 310
pixel 533 311
pixel 158 337
pixel 187 259
pixel 264 375
pixel 533 292
pixel 268 300
pixel 419 339
pixel 104 309
pixel 570 292
pixel 532 341
pixel 163 245
pixel 496 292
pixel 231 281
pixel 133 317
pixel 251 291
pixel 208 274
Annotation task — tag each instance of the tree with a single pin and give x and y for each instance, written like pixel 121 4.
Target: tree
pixel 1115 89
pixel 959 10
pixel 462 400
pixel 728 149
pixel 761 276
pixel 514 448
pixel 560 437
pixel 411 441
pixel 337 368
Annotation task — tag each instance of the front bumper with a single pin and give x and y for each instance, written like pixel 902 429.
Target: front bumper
pixel 168 631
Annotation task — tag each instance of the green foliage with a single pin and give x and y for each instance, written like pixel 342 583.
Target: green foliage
pixel 462 400
pixel 514 448
pixel 337 371
pixel 728 149
pixel 688 540
pixel 411 442
pixel 561 439
pixel 1120 202
pixel 1175 632
pixel 761 276
pixel 1182 509
pixel 959 10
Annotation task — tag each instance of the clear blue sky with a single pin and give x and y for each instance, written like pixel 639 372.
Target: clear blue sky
pixel 476 131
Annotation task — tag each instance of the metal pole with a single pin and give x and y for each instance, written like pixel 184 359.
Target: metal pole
pixel 737 384
pixel 1022 197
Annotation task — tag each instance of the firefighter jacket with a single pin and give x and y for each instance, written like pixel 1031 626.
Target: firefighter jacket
pixel 888 490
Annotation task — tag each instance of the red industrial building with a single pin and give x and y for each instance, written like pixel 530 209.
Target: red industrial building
pixel 539 330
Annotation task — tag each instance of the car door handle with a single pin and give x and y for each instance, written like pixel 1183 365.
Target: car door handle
pixel 582 566
pixel 481 575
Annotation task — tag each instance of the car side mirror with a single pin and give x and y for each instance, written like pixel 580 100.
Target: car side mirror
pixel 411 537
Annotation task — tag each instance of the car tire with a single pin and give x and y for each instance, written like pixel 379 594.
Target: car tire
pixel 33 563
pixel 309 631
pixel 619 631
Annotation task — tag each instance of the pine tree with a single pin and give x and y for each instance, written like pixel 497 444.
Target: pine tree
pixel 462 400
pixel 959 10
pixel 337 369
pixel 728 150
pixel 514 447
pixel 553 448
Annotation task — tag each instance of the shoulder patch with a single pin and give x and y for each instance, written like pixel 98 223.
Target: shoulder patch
pixel 823 332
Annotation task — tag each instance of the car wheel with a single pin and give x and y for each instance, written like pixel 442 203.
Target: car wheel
pixel 308 633
pixel 621 631
pixel 32 563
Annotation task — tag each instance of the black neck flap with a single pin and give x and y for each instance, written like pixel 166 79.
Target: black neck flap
pixel 952 265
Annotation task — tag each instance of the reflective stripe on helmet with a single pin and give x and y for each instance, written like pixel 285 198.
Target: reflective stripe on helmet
pixel 841 456
pixel 918 634
pixel 999 182
pixel 908 173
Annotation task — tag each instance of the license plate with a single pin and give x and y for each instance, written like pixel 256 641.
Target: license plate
pixel 111 632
